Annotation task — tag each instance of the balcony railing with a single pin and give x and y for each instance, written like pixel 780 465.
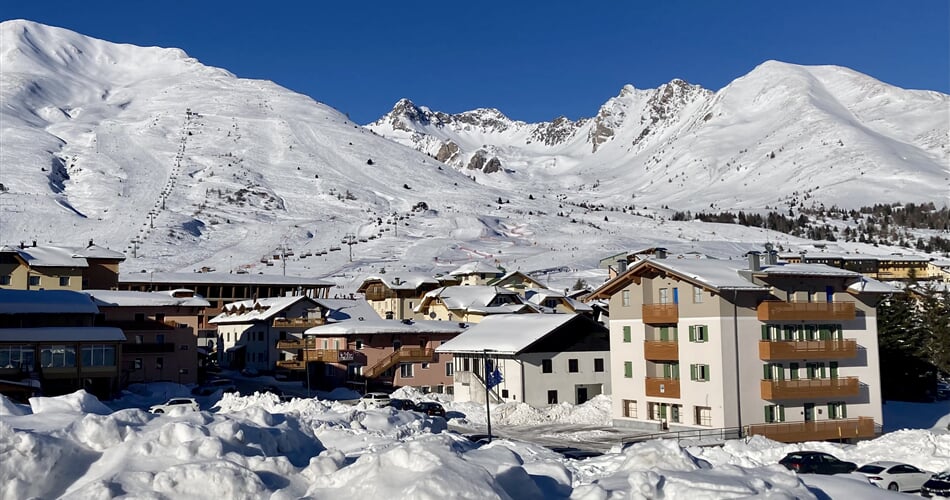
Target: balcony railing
pixel 809 388
pixel 775 310
pixel 793 432
pixel 298 322
pixel 661 350
pixel 660 313
pixel 292 364
pixel 663 387
pixel 809 349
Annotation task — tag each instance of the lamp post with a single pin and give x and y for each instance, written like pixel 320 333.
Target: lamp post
pixel 487 392
pixel 307 366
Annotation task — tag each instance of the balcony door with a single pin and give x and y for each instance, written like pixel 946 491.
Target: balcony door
pixel 809 412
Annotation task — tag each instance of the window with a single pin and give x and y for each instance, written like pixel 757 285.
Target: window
pixel 64 281
pixel 17 356
pixel 837 410
pixel 815 370
pixel 675 413
pixel 598 364
pixel 703 416
pixel 98 355
pixel 625 298
pixel 697 295
pixel 58 356
pixel 466 365
pixel 629 408
pixel 698 333
pixel 656 411
pixel 159 363
pixel 359 345
pixel 773 371
pixel 572 366
pixel 628 369
pixel 552 397
pixel 140 339
pixel 547 366
pixel 406 370
pixel 793 371
pixel 160 338
pixel 425 366
pixel 774 413
pixel 664 296
pixel 449 369
pixel 34 281
pixel 699 373
pixel 137 364
pixel 5 279
pixel 626 334
pixel 504 393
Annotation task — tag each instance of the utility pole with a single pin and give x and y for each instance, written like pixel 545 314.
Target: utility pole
pixel 350 240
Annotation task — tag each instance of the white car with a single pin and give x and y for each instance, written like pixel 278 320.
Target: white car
pixel 172 403
pixel 895 476
pixel 377 399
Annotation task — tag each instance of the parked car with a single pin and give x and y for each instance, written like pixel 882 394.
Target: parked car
pixel 172 403
pixel 431 409
pixel 377 399
pixel 895 476
pixel 816 462
pixel 937 486
pixel 402 404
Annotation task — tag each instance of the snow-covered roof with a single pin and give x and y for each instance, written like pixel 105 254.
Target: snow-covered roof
pixel 401 281
pixel 474 299
pixel 126 298
pixel 475 268
pixel 836 256
pixel 538 296
pixel 717 274
pixel 225 278
pixel 62 334
pixel 249 311
pixel 57 256
pixel 347 309
pixel 871 285
pixel 822 270
pixel 506 333
pixel 45 301
pixel 386 326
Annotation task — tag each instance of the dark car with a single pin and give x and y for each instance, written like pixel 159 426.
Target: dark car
pixel 402 404
pixel 937 486
pixel 816 462
pixel 431 409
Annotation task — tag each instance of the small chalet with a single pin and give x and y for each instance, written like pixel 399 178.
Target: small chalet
pixel 471 303
pixel 476 273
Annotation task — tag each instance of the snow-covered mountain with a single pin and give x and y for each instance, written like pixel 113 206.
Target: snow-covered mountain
pixel 182 166
pixel 768 138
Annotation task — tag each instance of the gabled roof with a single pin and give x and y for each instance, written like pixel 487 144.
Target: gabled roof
pixel 378 326
pixel 56 256
pixel 871 285
pixel 249 311
pixel 124 298
pixel 713 274
pixel 399 281
pixel 506 333
pixel 515 274
pixel 804 270
pixel 475 268
pixel 473 299
pixel 347 309
pixel 537 297
pixel 45 302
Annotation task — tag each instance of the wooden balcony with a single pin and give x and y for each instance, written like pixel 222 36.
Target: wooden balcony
pixel 776 310
pixel 661 314
pixel 292 364
pixel 292 344
pixel 297 322
pixel 662 387
pixel 794 432
pixel 809 349
pixel 661 350
pixel 401 355
pixel 812 388
pixel 323 355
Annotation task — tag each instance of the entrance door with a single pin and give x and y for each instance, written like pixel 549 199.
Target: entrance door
pixel 581 395
pixel 809 412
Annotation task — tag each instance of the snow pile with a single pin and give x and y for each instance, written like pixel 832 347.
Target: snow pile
pixel 593 412
pixel 8 407
pixel 260 447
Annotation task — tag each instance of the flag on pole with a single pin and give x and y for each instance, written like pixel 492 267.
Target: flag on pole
pixel 494 378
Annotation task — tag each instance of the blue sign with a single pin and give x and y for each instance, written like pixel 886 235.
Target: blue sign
pixel 494 378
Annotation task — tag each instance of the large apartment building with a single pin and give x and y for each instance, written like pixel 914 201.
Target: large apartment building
pixel 788 351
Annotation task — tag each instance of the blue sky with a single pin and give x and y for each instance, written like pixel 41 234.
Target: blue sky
pixel 532 60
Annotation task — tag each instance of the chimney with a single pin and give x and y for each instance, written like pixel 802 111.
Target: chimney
pixel 90 243
pixel 660 253
pixel 34 243
pixel 621 265
pixel 771 258
pixel 754 264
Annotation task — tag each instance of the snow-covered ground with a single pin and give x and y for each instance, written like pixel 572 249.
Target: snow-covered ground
pixel 259 447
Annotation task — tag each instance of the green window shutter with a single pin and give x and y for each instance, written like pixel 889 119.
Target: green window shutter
pixel 676 333
pixel 831 410
pixel 844 410
pixel 628 369
pixel 692 333
pixel 664 333
pixel 834 369
pixel 781 413
pixel 662 411
pixel 692 372
pixel 768 413
pixel 793 371
pixel 765 332
pixel 676 371
pixel 766 372
pixel 703 333
pixel 626 334
pixel 708 375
